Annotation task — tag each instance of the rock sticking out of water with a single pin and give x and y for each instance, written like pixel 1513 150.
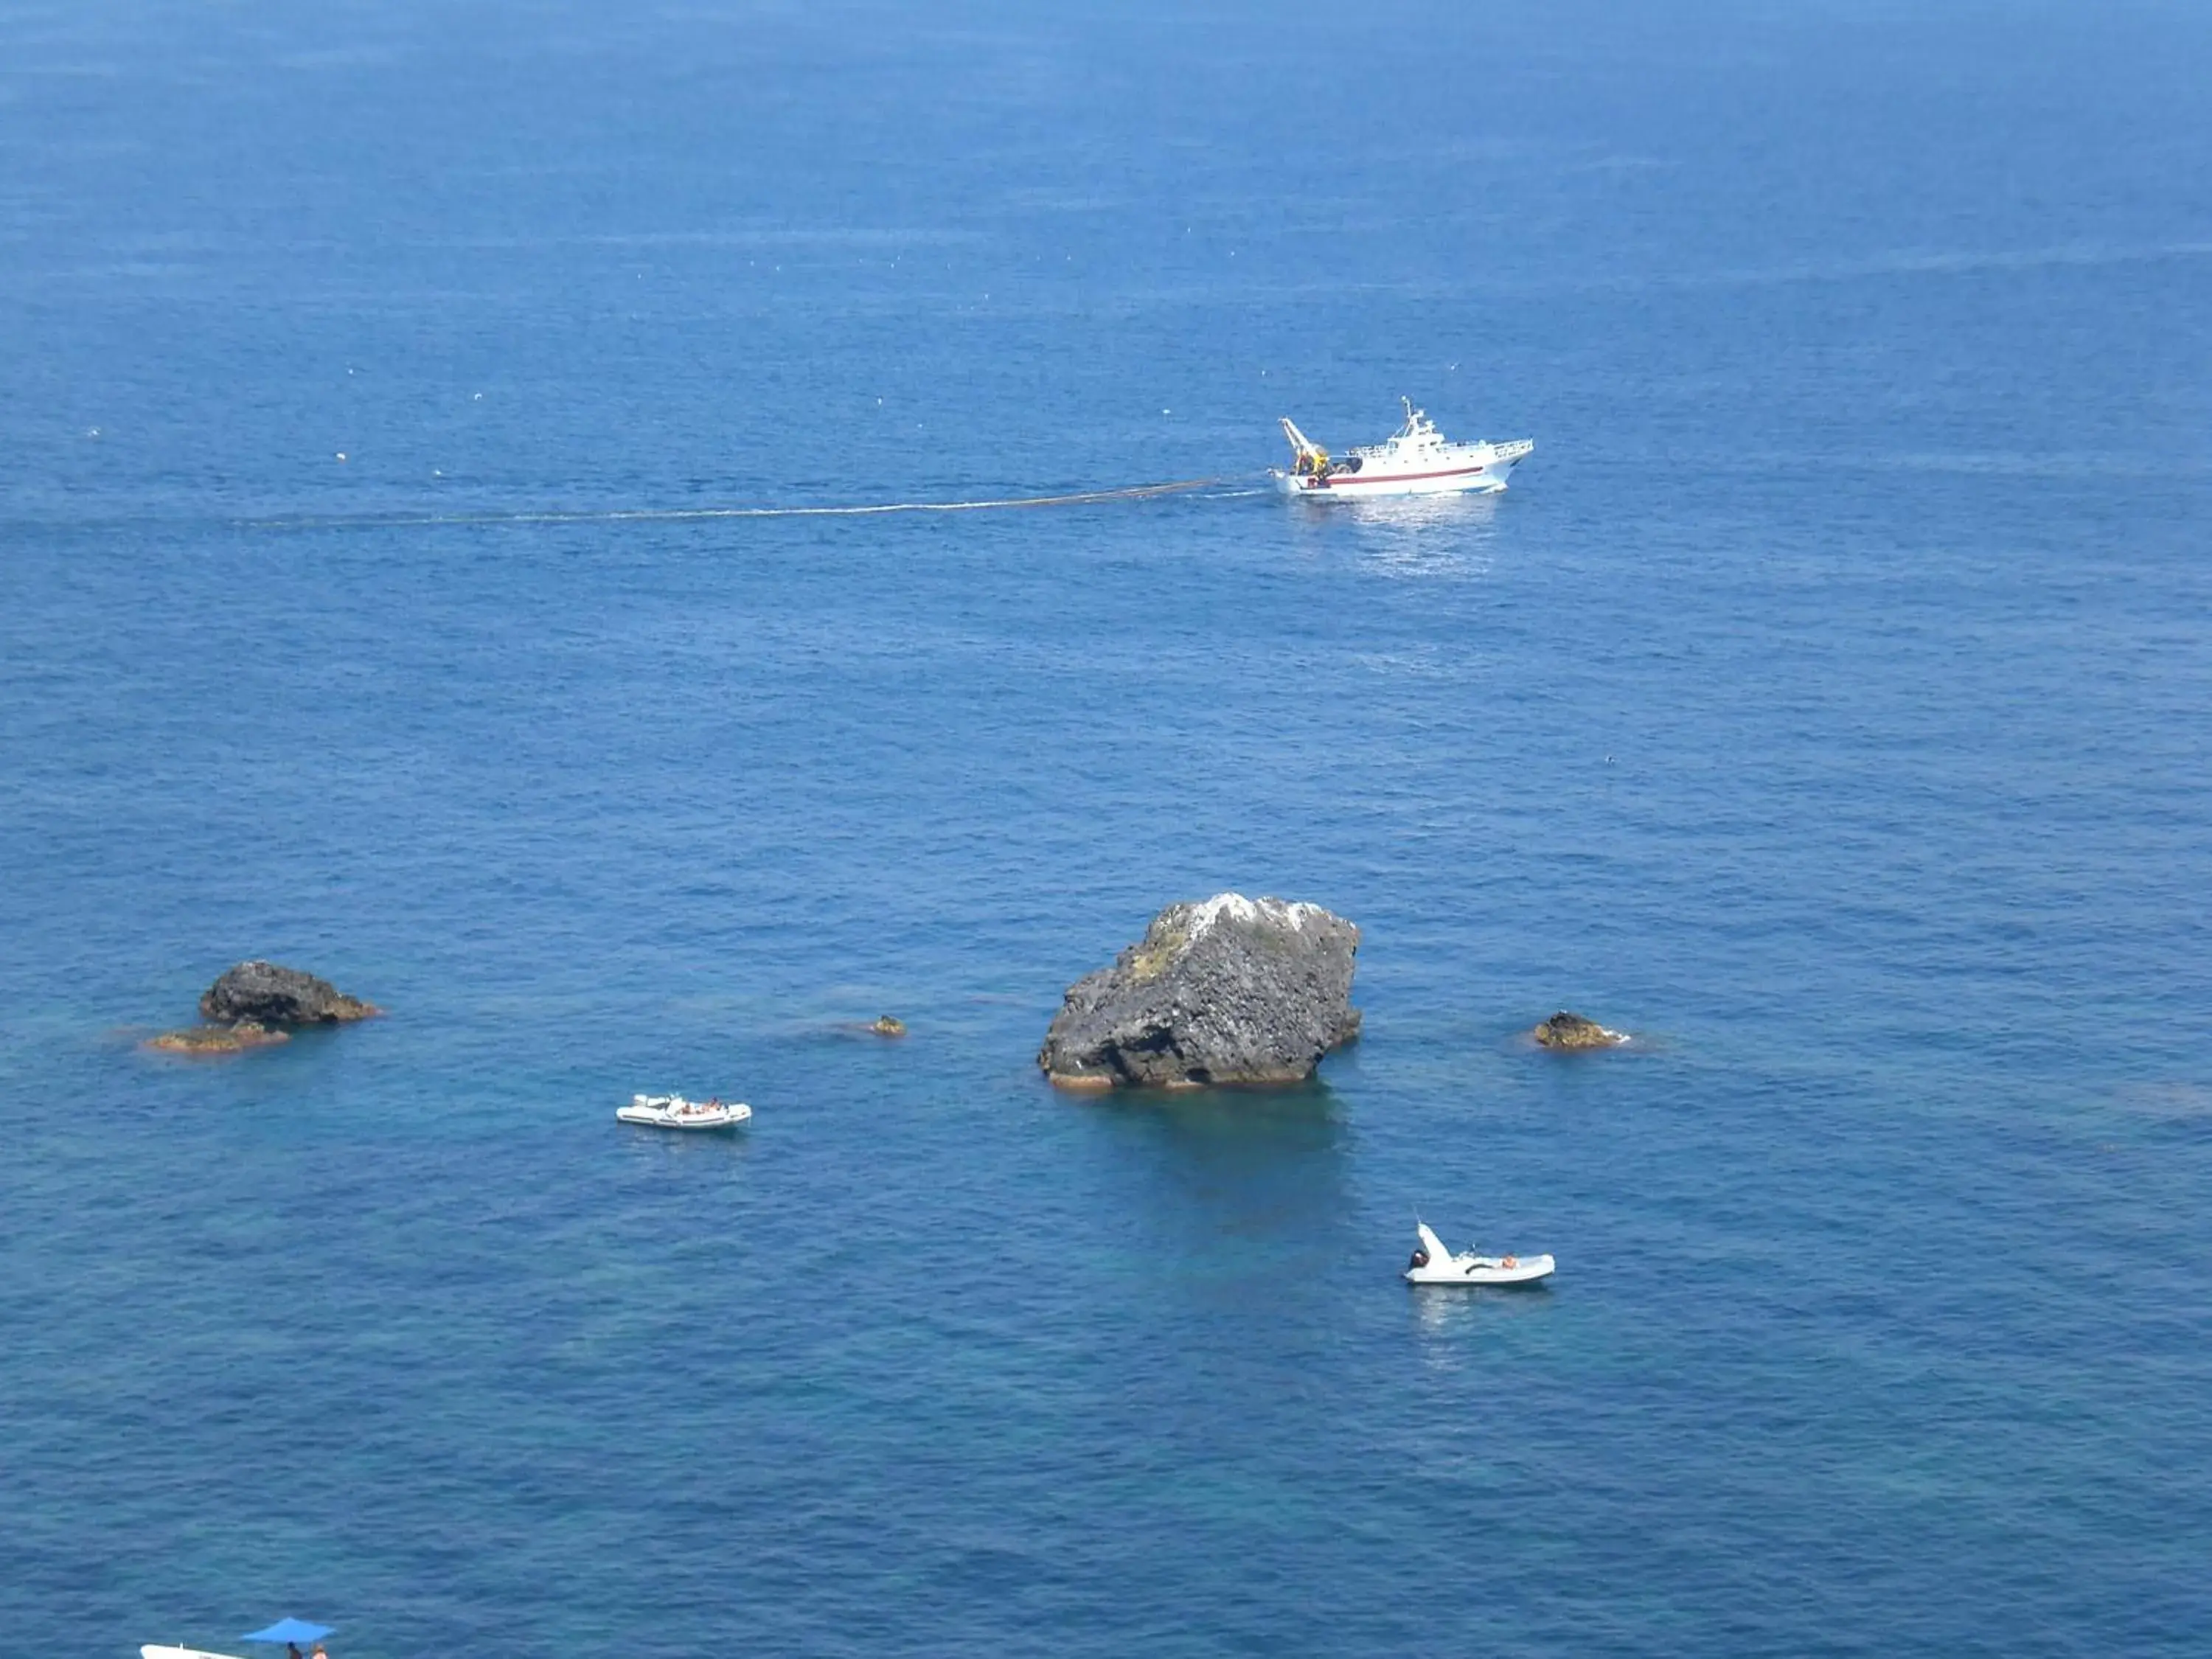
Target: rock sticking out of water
pixel 888 1025
pixel 1232 991
pixel 217 1039
pixel 1566 1030
pixel 270 995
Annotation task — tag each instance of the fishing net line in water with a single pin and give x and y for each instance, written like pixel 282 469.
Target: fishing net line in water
pixel 675 515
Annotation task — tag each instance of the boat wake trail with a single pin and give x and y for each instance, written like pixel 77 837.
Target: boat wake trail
pixel 676 515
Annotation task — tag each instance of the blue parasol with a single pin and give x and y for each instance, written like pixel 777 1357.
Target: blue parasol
pixel 289 1630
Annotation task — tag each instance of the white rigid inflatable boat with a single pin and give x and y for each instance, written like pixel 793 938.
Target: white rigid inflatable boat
pixel 674 1112
pixel 1433 1264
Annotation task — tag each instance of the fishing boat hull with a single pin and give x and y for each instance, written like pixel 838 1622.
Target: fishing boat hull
pixel 1484 477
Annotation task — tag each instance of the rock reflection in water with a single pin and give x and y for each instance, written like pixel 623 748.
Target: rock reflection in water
pixel 1230 1184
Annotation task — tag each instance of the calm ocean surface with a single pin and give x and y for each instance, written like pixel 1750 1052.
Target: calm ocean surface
pixel 1829 701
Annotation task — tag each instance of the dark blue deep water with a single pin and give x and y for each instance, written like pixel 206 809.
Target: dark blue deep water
pixel 1830 701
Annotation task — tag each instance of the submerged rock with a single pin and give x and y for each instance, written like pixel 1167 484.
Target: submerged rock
pixel 1566 1030
pixel 217 1039
pixel 888 1025
pixel 262 992
pixel 1232 991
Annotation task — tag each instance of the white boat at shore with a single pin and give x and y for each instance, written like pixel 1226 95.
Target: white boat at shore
pixel 1433 1264
pixel 1417 460
pixel 674 1112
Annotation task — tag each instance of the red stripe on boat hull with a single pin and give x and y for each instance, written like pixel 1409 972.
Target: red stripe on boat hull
pixel 1353 480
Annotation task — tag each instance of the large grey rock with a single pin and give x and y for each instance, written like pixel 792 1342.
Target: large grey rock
pixel 262 991
pixel 1232 991
pixel 1567 1030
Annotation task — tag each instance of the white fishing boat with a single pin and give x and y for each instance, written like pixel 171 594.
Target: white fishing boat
pixel 674 1112
pixel 1433 1264
pixel 1417 460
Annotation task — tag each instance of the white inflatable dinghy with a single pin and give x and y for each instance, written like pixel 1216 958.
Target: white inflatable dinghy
pixel 151 1651
pixel 674 1112
pixel 1433 1264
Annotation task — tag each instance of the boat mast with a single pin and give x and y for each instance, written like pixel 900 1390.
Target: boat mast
pixel 1307 455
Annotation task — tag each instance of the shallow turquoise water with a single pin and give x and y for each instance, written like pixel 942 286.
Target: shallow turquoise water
pixel 1826 703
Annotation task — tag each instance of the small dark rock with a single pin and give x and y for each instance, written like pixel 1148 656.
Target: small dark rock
pixel 1566 1030
pixel 262 992
pixel 217 1039
pixel 1232 991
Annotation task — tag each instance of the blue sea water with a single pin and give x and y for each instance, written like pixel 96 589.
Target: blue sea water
pixel 1827 702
